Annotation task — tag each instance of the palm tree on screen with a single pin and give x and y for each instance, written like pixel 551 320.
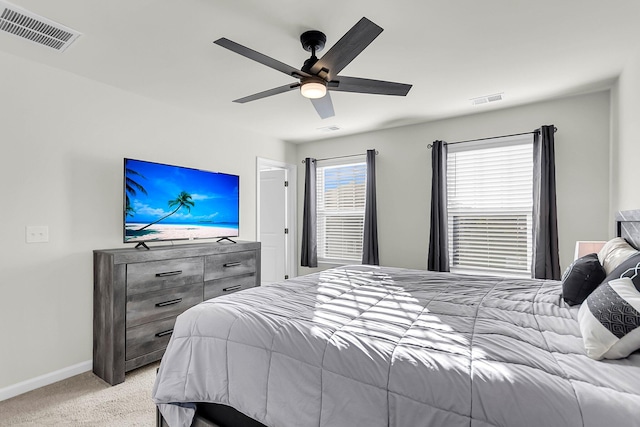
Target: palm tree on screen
pixel 183 200
pixel 132 187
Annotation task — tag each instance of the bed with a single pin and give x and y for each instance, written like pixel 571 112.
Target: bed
pixel 381 346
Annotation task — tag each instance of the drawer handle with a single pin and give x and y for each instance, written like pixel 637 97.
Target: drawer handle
pixel 166 303
pixel 169 273
pixel 232 288
pixel 232 264
pixel 165 333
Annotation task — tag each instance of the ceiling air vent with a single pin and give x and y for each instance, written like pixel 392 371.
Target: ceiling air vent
pixel 35 28
pixel 331 128
pixel 486 99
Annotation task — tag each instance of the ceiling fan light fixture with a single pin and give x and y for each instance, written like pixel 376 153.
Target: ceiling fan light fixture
pixel 319 75
pixel 313 90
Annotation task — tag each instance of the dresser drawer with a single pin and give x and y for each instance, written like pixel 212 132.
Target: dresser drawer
pixel 150 306
pixel 157 275
pixel 148 337
pixel 229 264
pixel 229 285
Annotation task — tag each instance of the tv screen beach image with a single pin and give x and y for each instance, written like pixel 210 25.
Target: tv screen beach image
pixel 164 202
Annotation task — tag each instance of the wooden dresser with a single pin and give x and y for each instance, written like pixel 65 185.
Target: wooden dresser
pixel 138 293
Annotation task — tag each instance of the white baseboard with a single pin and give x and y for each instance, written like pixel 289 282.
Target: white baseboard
pixel 43 380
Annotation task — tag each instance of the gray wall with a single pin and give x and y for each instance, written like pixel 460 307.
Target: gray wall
pixel 404 171
pixel 625 151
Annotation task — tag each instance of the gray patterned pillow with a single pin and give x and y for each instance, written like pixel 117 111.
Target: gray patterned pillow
pixel 629 268
pixel 610 320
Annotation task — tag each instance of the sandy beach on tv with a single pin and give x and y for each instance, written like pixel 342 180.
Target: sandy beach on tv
pixel 178 232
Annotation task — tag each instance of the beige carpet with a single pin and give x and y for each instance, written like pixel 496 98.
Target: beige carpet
pixel 85 400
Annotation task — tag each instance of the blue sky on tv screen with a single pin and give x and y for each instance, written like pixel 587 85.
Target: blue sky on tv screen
pixel 214 195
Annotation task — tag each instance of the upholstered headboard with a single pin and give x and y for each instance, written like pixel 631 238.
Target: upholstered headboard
pixel 628 226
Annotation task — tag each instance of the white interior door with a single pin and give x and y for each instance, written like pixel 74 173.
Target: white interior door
pixel 273 220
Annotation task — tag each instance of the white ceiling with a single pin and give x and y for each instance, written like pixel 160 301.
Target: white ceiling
pixel 451 51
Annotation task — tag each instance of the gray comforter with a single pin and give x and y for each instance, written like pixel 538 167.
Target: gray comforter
pixel 370 346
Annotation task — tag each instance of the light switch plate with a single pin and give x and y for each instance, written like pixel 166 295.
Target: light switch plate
pixel 37 234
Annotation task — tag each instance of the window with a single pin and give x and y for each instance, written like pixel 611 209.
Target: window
pixel 340 210
pixel 490 204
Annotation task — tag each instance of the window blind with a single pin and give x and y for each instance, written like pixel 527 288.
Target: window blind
pixel 490 203
pixel 340 211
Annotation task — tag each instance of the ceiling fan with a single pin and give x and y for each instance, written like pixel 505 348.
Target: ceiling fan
pixel 320 75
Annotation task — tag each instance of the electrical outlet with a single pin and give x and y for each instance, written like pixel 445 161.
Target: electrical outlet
pixel 37 234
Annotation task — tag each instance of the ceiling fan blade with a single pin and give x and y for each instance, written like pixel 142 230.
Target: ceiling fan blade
pixel 259 57
pixel 378 87
pixel 346 49
pixel 323 106
pixel 274 91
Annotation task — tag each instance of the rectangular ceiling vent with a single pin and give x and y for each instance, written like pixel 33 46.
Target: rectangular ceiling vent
pixel 331 128
pixel 486 99
pixel 34 28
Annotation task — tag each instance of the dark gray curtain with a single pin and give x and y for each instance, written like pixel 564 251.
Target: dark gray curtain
pixel 370 244
pixel 545 260
pixel 438 258
pixel 309 232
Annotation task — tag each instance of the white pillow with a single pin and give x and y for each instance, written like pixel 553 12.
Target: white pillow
pixel 610 320
pixel 614 252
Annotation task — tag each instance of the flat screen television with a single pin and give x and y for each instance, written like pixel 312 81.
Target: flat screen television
pixel 166 202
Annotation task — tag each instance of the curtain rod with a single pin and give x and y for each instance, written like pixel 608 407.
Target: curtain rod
pixel 342 157
pixel 555 129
